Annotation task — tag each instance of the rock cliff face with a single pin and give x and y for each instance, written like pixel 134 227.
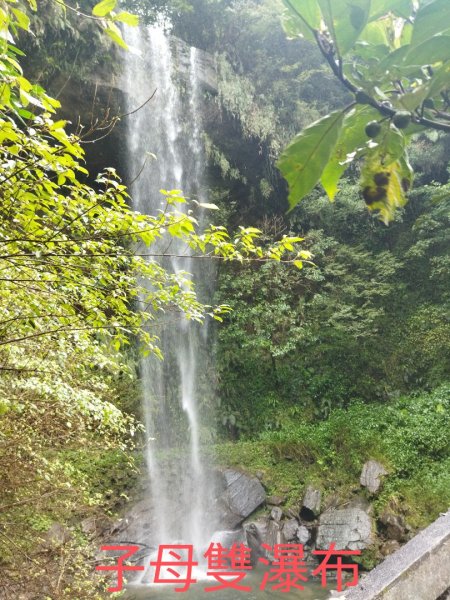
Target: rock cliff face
pixel 96 103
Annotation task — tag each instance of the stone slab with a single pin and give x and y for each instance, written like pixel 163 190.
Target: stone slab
pixel 420 570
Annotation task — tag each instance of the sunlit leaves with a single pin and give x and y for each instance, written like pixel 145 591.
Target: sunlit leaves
pixel 104 10
pixel 304 160
pixel 385 183
pixel 114 33
pixel 351 138
pixel 127 18
pixel 104 7
pixel 399 65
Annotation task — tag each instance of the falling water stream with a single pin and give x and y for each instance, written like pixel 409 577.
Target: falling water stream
pixel 169 128
pixel 159 130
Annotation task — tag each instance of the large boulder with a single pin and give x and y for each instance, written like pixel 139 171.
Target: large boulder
pixel 371 475
pixel 276 514
pixel 311 504
pixel 137 525
pixel 303 535
pixel 275 500
pixel 58 535
pixel 348 528
pixel 290 529
pixel 394 526
pixel 239 496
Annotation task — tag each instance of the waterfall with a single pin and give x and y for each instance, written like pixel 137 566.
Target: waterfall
pixel 169 128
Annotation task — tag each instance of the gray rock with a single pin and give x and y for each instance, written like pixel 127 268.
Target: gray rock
pixel 394 526
pixel 137 525
pixel 290 529
pixel 348 528
pixel 241 496
pixel 254 533
pixel 303 534
pixel 276 513
pixel 389 547
pixel 275 500
pixel 262 535
pixel 311 504
pixel 58 535
pixel 97 526
pixel 274 535
pixel 207 73
pixel 371 475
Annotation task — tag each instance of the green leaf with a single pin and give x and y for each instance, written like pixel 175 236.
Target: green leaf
pixel 376 33
pixel 401 8
pixel 304 160
pixel 351 138
pixel 436 49
pixel 114 34
pixel 104 7
pixel 414 99
pixel 345 20
pixel 389 196
pixel 440 80
pixel 294 26
pixel 22 19
pixel 5 95
pixel 127 18
pixel 307 10
pixel 430 21
pixel 392 146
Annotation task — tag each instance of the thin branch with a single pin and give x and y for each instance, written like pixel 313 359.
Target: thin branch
pixel 138 108
pixel 381 108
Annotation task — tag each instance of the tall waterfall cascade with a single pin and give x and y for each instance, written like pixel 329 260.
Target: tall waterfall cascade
pixel 169 128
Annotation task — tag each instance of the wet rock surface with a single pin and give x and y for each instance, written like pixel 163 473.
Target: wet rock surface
pixel 239 497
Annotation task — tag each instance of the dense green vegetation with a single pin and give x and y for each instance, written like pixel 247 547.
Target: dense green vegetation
pixel 408 436
pixel 318 369
pixel 72 279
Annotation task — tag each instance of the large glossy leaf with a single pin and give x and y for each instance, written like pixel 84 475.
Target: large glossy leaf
pixel 379 8
pixel 351 138
pixel 308 10
pixel 295 27
pixel 345 20
pixel 430 21
pixel 376 33
pixel 304 159
pixel 300 17
pixel 440 80
pixel 436 49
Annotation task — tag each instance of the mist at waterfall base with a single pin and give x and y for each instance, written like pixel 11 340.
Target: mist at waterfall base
pixel 165 137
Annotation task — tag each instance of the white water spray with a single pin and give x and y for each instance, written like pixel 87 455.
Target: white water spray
pixel 169 127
